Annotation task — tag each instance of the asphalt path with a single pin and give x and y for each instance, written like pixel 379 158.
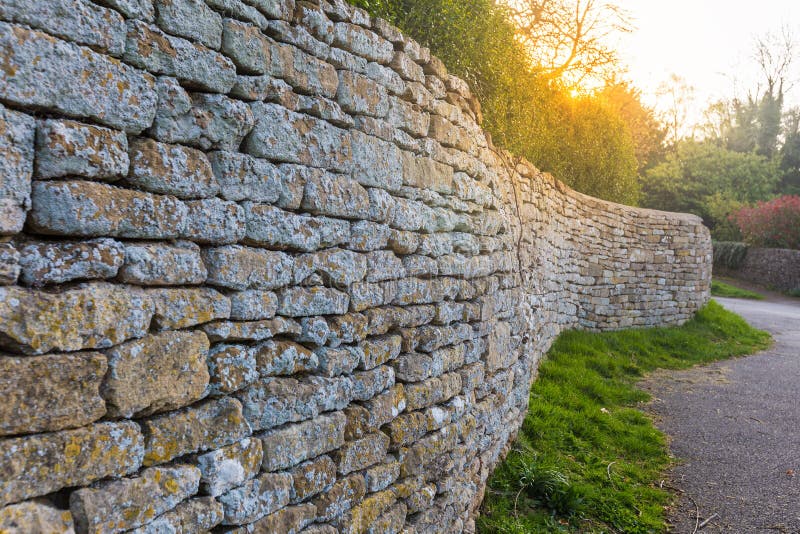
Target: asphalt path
pixel 734 429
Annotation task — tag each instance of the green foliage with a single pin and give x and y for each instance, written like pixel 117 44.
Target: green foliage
pixel 729 254
pixel 582 141
pixel 586 459
pixel 710 181
pixel 721 289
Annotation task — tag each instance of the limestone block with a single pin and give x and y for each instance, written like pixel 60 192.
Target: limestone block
pixel 118 505
pixel 289 520
pixel 94 315
pixel 367 236
pixel 50 392
pixel 195 515
pixel 231 368
pixel 204 426
pixel 361 517
pixel 292 444
pixel 312 477
pixel 150 49
pixel 385 266
pixel 272 227
pixel 381 476
pixel 253 305
pixel 283 358
pixel 304 302
pixel 92 209
pixel 379 350
pixel 376 163
pixel 304 72
pixel 16 167
pixel 156 373
pixel 283 135
pixel 73 80
pixel 242 177
pixel 361 453
pixel 183 307
pixel 275 9
pixel 133 9
pixel 9 264
pixel 241 268
pixel 158 264
pixel 340 267
pixel 205 121
pixel 251 330
pixel 35 516
pixel 359 95
pixel 192 19
pixel 335 195
pixel 171 170
pixel 249 49
pixel 63 261
pixel 71 148
pixel 337 361
pixel 228 467
pixel 325 109
pixel 271 402
pixel 367 384
pixel 214 221
pixel 315 331
pixel 342 496
pixel 362 42
pixel 256 498
pixel 74 458
pixel 78 21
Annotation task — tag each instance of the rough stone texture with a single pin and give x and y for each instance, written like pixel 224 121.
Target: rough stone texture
pixel 778 268
pixel 124 504
pixel 50 392
pixel 71 148
pixel 314 282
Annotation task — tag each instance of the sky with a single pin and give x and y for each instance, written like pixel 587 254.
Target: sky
pixel 706 42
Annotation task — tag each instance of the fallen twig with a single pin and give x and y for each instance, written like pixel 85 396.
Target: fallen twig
pixel 707 520
pixel 608 470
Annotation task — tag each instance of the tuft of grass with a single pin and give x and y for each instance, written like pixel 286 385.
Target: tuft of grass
pixel 721 289
pixel 587 459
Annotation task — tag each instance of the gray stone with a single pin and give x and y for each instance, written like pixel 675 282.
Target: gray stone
pixel 253 305
pixel 288 520
pixel 16 167
pixel 367 235
pixel 128 503
pixel 340 267
pixel 242 177
pixel 73 80
pixel 205 121
pixel 132 9
pixel 70 148
pixel 192 19
pixel 231 466
pixel 38 516
pixel 315 331
pixel 231 367
pixel 376 163
pixel 270 402
pixel 337 361
pixel 214 221
pixel 92 209
pixel 74 458
pixel 283 135
pixel 313 18
pixel 361 453
pixel 154 374
pixel 312 477
pixel 335 195
pixel 385 266
pixel 195 515
pixel 359 95
pixel 201 427
pixel 77 21
pixel 95 315
pixel 249 49
pixel 239 10
pixel 171 170
pixel 273 227
pixel 149 48
pixel 342 496
pixel 275 9
pixel 304 302
pixel 9 264
pixel 158 264
pixel 276 358
pixel 239 267
pixel 251 330
pixel 379 350
pixel 304 72
pixel 325 109
pixel 50 392
pixel 183 307
pixel 292 444
pixel 362 42
pixel 263 495
pixel 265 88
pixel 63 261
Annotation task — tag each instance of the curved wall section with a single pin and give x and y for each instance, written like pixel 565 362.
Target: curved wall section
pixel 262 271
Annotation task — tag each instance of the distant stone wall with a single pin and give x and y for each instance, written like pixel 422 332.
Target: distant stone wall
pixel 777 268
pixel 264 272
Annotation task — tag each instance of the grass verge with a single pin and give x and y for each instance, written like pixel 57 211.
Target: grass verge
pixel 721 289
pixel 587 459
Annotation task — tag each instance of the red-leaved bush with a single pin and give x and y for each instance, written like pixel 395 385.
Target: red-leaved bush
pixel 775 223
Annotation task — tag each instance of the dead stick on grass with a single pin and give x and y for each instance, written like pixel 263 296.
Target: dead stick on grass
pixel 608 470
pixel 708 520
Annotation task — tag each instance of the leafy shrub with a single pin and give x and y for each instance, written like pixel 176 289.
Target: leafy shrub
pixel 729 254
pixel 775 223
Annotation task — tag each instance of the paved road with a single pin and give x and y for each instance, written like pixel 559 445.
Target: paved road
pixel 735 426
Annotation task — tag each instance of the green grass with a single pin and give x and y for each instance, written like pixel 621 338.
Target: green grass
pixel 587 459
pixel 721 289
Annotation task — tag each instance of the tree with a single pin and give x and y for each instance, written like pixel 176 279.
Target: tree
pixel 710 181
pixel 677 97
pixel 790 154
pixel 567 39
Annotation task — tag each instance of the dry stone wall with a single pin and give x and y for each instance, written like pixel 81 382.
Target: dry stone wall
pixel 264 272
